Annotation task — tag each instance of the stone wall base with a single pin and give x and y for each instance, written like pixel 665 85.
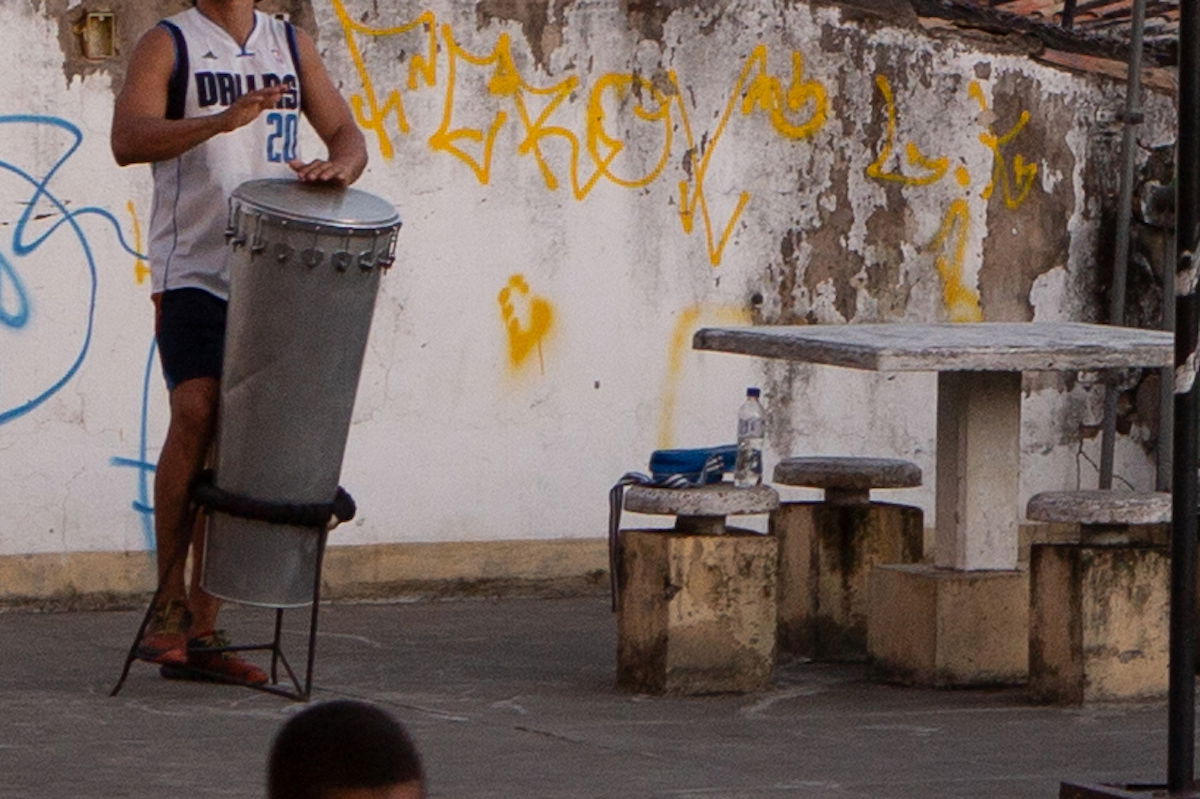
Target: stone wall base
pixel 112 580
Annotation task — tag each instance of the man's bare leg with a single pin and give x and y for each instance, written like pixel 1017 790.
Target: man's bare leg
pixel 206 658
pixel 189 437
pixel 203 605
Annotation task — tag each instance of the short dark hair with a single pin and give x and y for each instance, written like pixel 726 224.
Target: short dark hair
pixel 340 744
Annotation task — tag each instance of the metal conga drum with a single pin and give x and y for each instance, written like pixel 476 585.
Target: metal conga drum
pixel 306 264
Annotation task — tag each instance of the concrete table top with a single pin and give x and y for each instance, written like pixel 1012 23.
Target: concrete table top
pixel 938 347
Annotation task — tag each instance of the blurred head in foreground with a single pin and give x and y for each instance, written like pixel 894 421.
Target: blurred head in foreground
pixel 344 749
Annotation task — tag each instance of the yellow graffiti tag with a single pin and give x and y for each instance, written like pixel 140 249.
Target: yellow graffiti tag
pixel 759 90
pixel 446 138
pixel 1022 174
pixel 796 108
pixel 373 117
pixel 677 349
pixel 600 145
pixel 536 128
pixel 527 319
pixel 598 138
pixel 766 93
pixel 936 166
pixel 962 301
pixel 141 270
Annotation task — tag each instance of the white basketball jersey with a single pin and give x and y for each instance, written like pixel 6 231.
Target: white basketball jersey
pixel 191 192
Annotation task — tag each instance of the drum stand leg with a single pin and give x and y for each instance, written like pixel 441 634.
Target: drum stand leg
pixel 180 553
pixel 300 691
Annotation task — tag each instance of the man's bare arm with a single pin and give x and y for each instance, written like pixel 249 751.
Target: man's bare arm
pixel 331 118
pixel 140 130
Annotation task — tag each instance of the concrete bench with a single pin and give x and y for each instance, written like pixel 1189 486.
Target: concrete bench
pixel 696 610
pixel 827 549
pixel 1099 607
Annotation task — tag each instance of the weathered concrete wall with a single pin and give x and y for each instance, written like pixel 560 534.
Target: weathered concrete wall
pixel 583 184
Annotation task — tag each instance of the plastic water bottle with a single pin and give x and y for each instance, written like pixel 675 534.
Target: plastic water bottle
pixel 751 428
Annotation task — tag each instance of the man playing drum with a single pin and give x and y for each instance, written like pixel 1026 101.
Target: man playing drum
pixel 211 99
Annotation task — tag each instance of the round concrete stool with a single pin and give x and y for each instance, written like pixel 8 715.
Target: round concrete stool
pixel 829 549
pixel 1102 516
pixel 702 509
pixel 696 611
pixel 847 480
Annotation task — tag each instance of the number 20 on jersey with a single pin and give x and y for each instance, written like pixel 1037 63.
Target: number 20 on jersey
pixel 283 130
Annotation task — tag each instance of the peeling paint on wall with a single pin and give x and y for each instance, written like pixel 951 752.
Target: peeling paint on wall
pixel 541 23
pixel 132 18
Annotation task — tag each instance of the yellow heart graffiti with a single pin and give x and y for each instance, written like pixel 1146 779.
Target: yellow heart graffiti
pixel 527 318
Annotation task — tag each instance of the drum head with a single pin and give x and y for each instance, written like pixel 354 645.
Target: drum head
pixel 316 204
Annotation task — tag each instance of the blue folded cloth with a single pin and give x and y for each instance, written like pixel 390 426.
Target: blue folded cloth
pixel 697 466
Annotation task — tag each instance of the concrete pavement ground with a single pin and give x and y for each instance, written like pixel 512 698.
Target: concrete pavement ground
pixel 515 698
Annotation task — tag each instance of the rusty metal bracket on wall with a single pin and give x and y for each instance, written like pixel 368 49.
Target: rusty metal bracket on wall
pixel 97 35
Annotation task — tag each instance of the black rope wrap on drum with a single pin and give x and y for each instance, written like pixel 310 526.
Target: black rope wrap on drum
pixel 312 514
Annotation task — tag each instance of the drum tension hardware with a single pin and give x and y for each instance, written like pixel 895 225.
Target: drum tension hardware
pixel 368 259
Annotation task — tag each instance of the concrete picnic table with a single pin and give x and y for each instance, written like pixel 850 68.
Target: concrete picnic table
pixel 979 368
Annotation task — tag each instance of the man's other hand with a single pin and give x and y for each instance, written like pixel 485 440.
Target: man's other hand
pixel 322 172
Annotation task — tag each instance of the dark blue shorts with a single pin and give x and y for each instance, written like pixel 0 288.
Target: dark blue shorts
pixel 190 329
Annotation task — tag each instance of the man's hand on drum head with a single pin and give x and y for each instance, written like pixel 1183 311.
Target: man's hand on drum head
pixel 247 107
pixel 319 171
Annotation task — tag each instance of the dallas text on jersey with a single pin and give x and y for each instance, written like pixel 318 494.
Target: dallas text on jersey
pixel 223 88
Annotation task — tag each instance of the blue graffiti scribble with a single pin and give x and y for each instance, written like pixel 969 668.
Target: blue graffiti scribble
pixel 15 314
pixel 144 467
pixel 16 306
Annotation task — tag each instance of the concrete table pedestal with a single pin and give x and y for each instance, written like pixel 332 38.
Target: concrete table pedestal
pixel 965 620
pixel 827 549
pixel 696 604
pixel 946 627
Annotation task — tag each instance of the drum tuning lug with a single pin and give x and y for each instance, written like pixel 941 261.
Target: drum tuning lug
pixel 366 260
pixel 283 252
pixel 257 247
pixel 237 241
pixel 230 232
pixel 312 257
pixel 341 260
pixel 385 261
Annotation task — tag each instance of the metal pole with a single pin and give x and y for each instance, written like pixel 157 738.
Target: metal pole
pixel 1068 14
pixel 1181 701
pixel 1166 392
pixel 1131 117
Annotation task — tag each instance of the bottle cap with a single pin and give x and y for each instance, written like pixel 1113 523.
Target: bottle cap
pixel 752 391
